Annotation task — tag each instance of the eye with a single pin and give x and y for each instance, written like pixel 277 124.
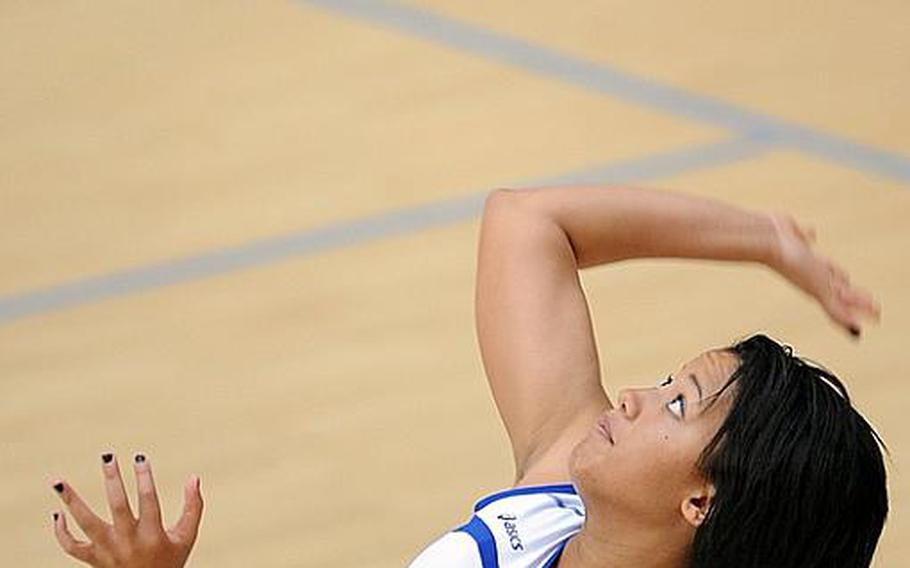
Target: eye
pixel 682 405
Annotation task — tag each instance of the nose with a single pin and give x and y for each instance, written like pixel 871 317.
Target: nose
pixel 629 403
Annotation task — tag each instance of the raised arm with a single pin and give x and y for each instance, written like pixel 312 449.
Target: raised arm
pixel 532 318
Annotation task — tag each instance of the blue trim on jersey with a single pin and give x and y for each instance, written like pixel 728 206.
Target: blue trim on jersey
pixel 562 505
pixel 558 488
pixel 556 556
pixel 486 544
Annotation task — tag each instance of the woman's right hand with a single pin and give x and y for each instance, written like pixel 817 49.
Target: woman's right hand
pixel 817 275
pixel 129 542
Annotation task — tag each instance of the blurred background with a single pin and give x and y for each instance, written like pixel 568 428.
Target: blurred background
pixel 240 237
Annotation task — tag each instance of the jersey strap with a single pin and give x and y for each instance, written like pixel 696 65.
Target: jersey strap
pixel 486 544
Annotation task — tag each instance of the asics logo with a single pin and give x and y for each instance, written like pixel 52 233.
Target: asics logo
pixel 511 530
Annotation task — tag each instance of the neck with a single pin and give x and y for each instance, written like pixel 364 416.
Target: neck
pixel 602 544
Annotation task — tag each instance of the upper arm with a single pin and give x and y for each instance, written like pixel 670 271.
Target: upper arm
pixel 533 326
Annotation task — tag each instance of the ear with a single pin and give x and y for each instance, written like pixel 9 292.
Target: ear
pixel 696 505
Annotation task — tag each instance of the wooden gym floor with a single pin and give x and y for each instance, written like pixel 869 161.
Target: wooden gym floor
pixel 241 238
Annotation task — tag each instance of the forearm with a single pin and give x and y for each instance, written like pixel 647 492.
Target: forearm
pixel 607 224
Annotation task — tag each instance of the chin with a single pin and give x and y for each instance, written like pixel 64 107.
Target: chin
pixel 582 464
pixel 573 462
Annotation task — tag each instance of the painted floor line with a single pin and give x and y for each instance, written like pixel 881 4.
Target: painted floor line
pixel 602 78
pixel 347 233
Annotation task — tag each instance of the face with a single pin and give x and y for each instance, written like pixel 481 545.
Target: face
pixel 648 469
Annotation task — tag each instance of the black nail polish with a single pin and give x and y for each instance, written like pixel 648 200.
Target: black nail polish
pixel 140 458
pixel 854 331
pixel 56 516
pixel 106 458
pixel 58 487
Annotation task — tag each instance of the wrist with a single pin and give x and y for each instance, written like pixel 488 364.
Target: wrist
pixel 773 252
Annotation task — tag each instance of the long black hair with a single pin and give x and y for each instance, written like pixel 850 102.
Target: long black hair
pixel 799 477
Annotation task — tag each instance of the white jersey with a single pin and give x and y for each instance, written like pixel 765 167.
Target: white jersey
pixel 523 527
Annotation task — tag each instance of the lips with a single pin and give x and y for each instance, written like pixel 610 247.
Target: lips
pixel 604 427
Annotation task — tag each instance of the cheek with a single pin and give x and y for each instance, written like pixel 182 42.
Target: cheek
pixel 649 467
pixel 593 461
pixel 643 466
pixel 654 459
pixel 677 454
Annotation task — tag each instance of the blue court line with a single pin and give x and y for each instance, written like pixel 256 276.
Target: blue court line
pixel 622 85
pixel 347 233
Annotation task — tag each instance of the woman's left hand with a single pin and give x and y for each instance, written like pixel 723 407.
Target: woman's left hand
pixel 797 260
pixel 128 541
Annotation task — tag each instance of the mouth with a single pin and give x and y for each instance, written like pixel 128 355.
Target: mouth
pixel 604 428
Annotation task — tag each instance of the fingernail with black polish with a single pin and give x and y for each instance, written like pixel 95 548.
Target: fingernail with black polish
pixel 58 487
pixel 56 516
pixel 854 331
pixel 140 458
pixel 106 458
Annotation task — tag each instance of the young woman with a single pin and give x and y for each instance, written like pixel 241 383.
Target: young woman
pixel 746 456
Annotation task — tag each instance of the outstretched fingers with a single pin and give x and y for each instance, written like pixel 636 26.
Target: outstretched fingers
pixel 850 306
pixel 846 304
pixel 80 550
pixel 862 301
pixel 129 541
pixel 88 521
pixel 186 528
pixel 121 513
pixel 149 509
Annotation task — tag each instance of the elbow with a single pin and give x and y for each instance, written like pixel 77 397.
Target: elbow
pixel 500 193
pixel 503 199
